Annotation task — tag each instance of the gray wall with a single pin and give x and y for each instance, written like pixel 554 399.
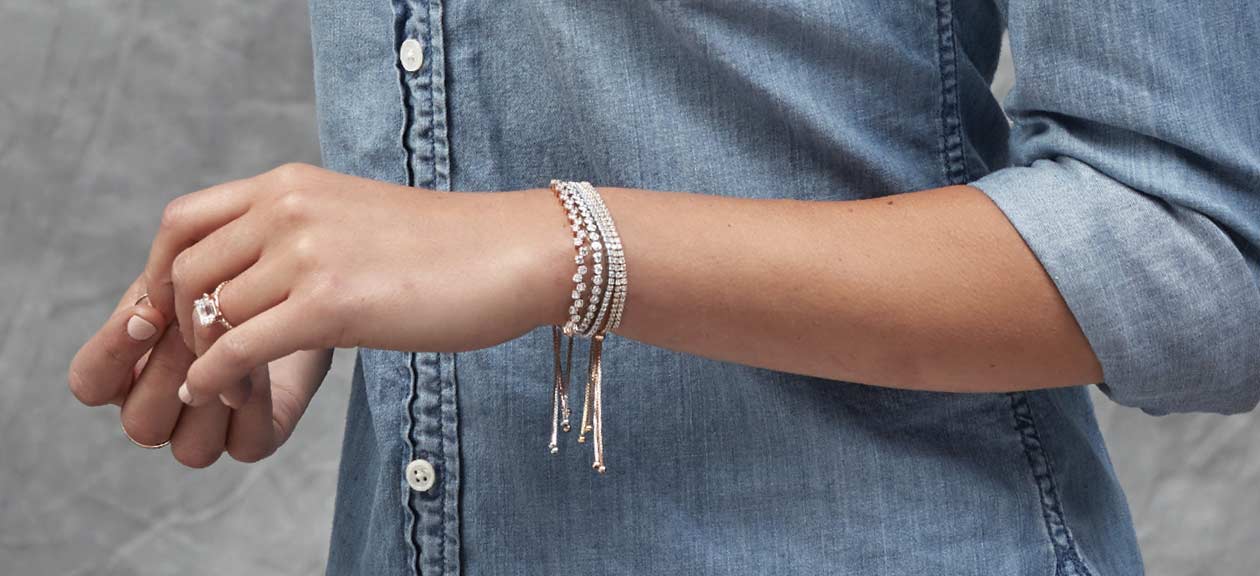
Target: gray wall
pixel 110 108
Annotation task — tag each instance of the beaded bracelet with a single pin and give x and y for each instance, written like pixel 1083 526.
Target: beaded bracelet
pixel 594 233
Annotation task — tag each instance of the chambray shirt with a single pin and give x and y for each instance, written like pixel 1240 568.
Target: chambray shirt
pixel 1127 159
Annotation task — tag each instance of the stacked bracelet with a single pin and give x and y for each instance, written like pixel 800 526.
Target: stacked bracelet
pixel 593 313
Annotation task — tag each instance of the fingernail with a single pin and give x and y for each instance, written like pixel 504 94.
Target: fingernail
pixel 224 399
pixel 184 395
pixel 140 329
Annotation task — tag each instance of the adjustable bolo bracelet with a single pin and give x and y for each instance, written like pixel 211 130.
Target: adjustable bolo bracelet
pixel 593 316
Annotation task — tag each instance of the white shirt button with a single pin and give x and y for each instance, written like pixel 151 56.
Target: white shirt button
pixel 411 55
pixel 420 475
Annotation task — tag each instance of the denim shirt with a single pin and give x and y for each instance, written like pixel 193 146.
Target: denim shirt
pixel 1128 165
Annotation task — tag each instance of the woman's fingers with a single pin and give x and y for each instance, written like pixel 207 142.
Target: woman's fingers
pixel 252 433
pixel 220 256
pixel 152 407
pixel 264 285
pixel 261 287
pixel 239 390
pixel 275 333
pixel 294 381
pixel 186 220
pixel 102 370
pixel 201 433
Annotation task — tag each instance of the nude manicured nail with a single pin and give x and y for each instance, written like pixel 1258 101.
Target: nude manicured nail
pixel 184 395
pixel 140 329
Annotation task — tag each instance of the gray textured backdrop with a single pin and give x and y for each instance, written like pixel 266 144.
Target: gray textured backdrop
pixel 108 109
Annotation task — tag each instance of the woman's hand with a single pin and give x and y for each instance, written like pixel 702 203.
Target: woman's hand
pixel 352 258
pixel 136 361
pixel 316 260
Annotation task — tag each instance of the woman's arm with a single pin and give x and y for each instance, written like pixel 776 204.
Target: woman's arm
pixel 930 290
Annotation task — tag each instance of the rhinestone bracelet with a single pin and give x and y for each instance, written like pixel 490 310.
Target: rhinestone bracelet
pixel 616 282
pixel 580 316
pixel 560 397
pixel 594 230
pixel 599 245
pixel 583 226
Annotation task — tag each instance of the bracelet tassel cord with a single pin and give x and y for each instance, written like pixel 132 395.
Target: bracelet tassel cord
pixel 592 403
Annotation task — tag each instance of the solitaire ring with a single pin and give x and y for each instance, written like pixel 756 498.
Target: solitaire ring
pixel 133 441
pixel 207 309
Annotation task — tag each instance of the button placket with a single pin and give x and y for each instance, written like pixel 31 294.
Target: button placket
pixel 432 503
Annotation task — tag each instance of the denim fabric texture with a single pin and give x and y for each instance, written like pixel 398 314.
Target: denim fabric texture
pixel 1129 167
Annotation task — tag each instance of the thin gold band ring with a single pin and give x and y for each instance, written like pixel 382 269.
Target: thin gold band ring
pixel 150 447
pixel 142 298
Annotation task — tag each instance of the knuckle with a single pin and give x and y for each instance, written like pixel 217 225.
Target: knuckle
pixel 174 214
pixel 164 369
pixel 285 411
pixel 84 391
pixel 194 456
pixel 249 452
pixel 290 172
pixel 181 270
pixel 134 424
pixel 305 251
pixel 119 357
pixel 291 207
pixel 158 282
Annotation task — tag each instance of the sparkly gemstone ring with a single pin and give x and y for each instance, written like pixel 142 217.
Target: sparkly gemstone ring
pixel 207 309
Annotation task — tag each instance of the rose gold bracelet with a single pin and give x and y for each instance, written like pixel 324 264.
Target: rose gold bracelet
pixel 560 412
pixel 594 232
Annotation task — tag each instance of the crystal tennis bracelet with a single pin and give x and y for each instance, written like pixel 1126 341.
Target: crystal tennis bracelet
pixel 616 258
pixel 594 233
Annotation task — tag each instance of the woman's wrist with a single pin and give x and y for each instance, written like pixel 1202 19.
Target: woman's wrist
pixel 540 234
pixel 548 242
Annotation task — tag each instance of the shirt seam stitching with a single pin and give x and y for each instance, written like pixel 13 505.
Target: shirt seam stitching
pixel 401 15
pixel 1067 554
pixel 952 157
pixel 413 514
pixel 453 485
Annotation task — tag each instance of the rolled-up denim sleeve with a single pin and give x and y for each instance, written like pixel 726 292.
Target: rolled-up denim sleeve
pixel 1135 181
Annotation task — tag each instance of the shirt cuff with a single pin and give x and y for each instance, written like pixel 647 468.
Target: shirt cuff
pixel 1165 298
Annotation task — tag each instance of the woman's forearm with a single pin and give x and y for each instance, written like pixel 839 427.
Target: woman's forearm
pixel 929 290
